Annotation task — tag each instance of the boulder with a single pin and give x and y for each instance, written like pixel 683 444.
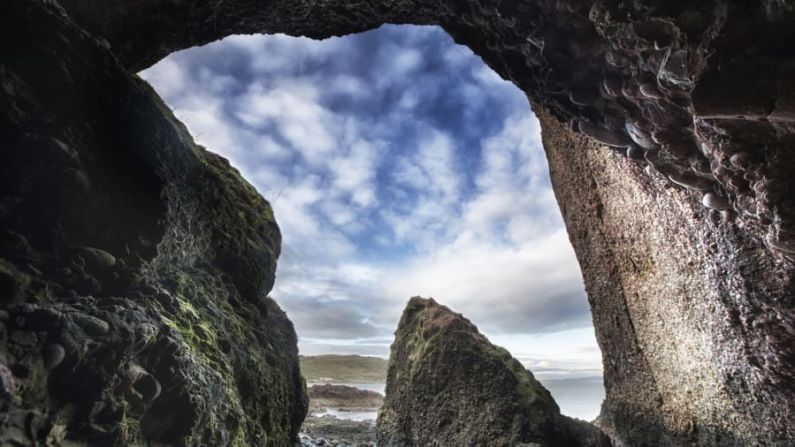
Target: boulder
pixel 449 386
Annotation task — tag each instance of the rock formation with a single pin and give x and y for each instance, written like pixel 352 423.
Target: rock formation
pixel 449 386
pixel 132 258
pixel 134 267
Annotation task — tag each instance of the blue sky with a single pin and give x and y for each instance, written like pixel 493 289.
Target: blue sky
pixel 397 164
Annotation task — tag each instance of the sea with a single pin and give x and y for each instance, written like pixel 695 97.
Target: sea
pixel 580 398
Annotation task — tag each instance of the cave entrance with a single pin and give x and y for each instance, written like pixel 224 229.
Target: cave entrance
pixel 397 164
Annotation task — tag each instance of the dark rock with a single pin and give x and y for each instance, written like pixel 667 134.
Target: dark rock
pixel 715 202
pixel 635 152
pixel 110 170
pixel 605 136
pixel 448 385
pixel 90 324
pixel 53 354
pixel 640 136
pixel 96 259
pixel 691 181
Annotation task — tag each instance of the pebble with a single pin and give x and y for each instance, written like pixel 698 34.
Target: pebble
pixel 605 136
pixel 92 325
pixel 640 136
pixel 53 354
pixel 715 202
pixel 98 257
pixel 740 160
pixel 690 181
pixel 143 382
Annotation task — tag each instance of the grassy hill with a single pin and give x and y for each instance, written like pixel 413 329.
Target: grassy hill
pixel 344 368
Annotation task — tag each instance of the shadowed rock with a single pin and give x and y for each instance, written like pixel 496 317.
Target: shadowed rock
pixel 134 265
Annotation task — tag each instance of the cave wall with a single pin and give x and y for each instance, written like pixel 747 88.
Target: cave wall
pixel 685 229
pixel 686 305
pixel 134 265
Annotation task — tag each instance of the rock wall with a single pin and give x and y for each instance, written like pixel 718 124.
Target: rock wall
pixel 134 265
pixel 106 212
pixel 449 386
pixel 687 307
pixel 648 76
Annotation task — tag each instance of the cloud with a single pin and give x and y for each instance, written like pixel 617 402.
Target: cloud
pixel 397 164
pixel 529 288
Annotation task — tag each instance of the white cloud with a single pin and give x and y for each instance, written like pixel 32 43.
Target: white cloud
pixel 376 198
pixel 168 76
pixel 293 110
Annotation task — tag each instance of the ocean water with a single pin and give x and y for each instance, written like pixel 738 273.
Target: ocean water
pixel 580 398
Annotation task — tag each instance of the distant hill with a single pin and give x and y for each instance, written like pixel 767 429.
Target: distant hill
pixel 343 368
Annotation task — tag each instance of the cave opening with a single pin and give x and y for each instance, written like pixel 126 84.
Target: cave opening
pixel 135 264
pixel 397 164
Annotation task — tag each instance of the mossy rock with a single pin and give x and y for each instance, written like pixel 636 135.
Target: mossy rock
pixel 447 385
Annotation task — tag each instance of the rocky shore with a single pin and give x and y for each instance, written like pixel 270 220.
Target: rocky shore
pixel 342 397
pixel 321 431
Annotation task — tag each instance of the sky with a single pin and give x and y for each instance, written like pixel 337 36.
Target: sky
pixel 397 164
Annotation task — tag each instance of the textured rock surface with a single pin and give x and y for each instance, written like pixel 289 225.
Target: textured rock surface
pixel 134 265
pixel 694 308
pixel 449 386
pixel 649 76
pixel 692 314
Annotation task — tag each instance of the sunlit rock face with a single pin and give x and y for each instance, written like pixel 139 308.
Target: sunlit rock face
pixel 691 312
pixel 684 231
pixel 134 267
pixel 447 385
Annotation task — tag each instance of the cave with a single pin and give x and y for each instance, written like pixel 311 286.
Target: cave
pixel 136 265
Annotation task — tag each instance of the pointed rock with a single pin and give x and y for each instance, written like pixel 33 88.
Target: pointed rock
pixel 447 385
